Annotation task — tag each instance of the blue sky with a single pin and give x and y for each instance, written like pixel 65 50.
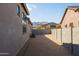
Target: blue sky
pixel 48 12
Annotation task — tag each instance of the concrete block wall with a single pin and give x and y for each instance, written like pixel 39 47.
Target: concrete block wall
pixel 66 38
pixel 66 35
pixel 53 32
pixel 76 41
pixel 39 32
pixel 59 35
pixel 69 38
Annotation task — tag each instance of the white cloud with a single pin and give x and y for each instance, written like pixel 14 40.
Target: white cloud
pixel 30 9
pixel 34 6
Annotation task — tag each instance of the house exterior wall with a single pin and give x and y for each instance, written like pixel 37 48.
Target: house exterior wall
pixel 70 35
pixel 70 17
pixel 12 38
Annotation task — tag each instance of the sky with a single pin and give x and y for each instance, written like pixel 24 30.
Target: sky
pixel 48 12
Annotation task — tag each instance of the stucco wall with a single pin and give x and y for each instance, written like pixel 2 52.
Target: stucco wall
pixel 11 32
pixel 71 17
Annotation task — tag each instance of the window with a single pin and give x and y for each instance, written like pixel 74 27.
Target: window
pixel 24 29
pixel 71 25
pixel 78 23
pixel 22 15
pixel 65 26
pixel 18 10
pixel 24 23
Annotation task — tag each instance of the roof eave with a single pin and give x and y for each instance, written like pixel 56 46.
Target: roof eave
pixel 25 8
pixel 63 16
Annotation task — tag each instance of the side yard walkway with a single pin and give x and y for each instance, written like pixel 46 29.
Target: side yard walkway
pixel 42 45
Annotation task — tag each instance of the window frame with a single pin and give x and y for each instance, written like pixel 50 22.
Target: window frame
pixel 18 10
pixel 24 29
pixel 66 26
pixel 71 25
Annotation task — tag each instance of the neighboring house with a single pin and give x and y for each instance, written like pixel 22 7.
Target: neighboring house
pixel 50 25
pixel 15 28
pixel 58 26
pixel 71 17
pixel 45 26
